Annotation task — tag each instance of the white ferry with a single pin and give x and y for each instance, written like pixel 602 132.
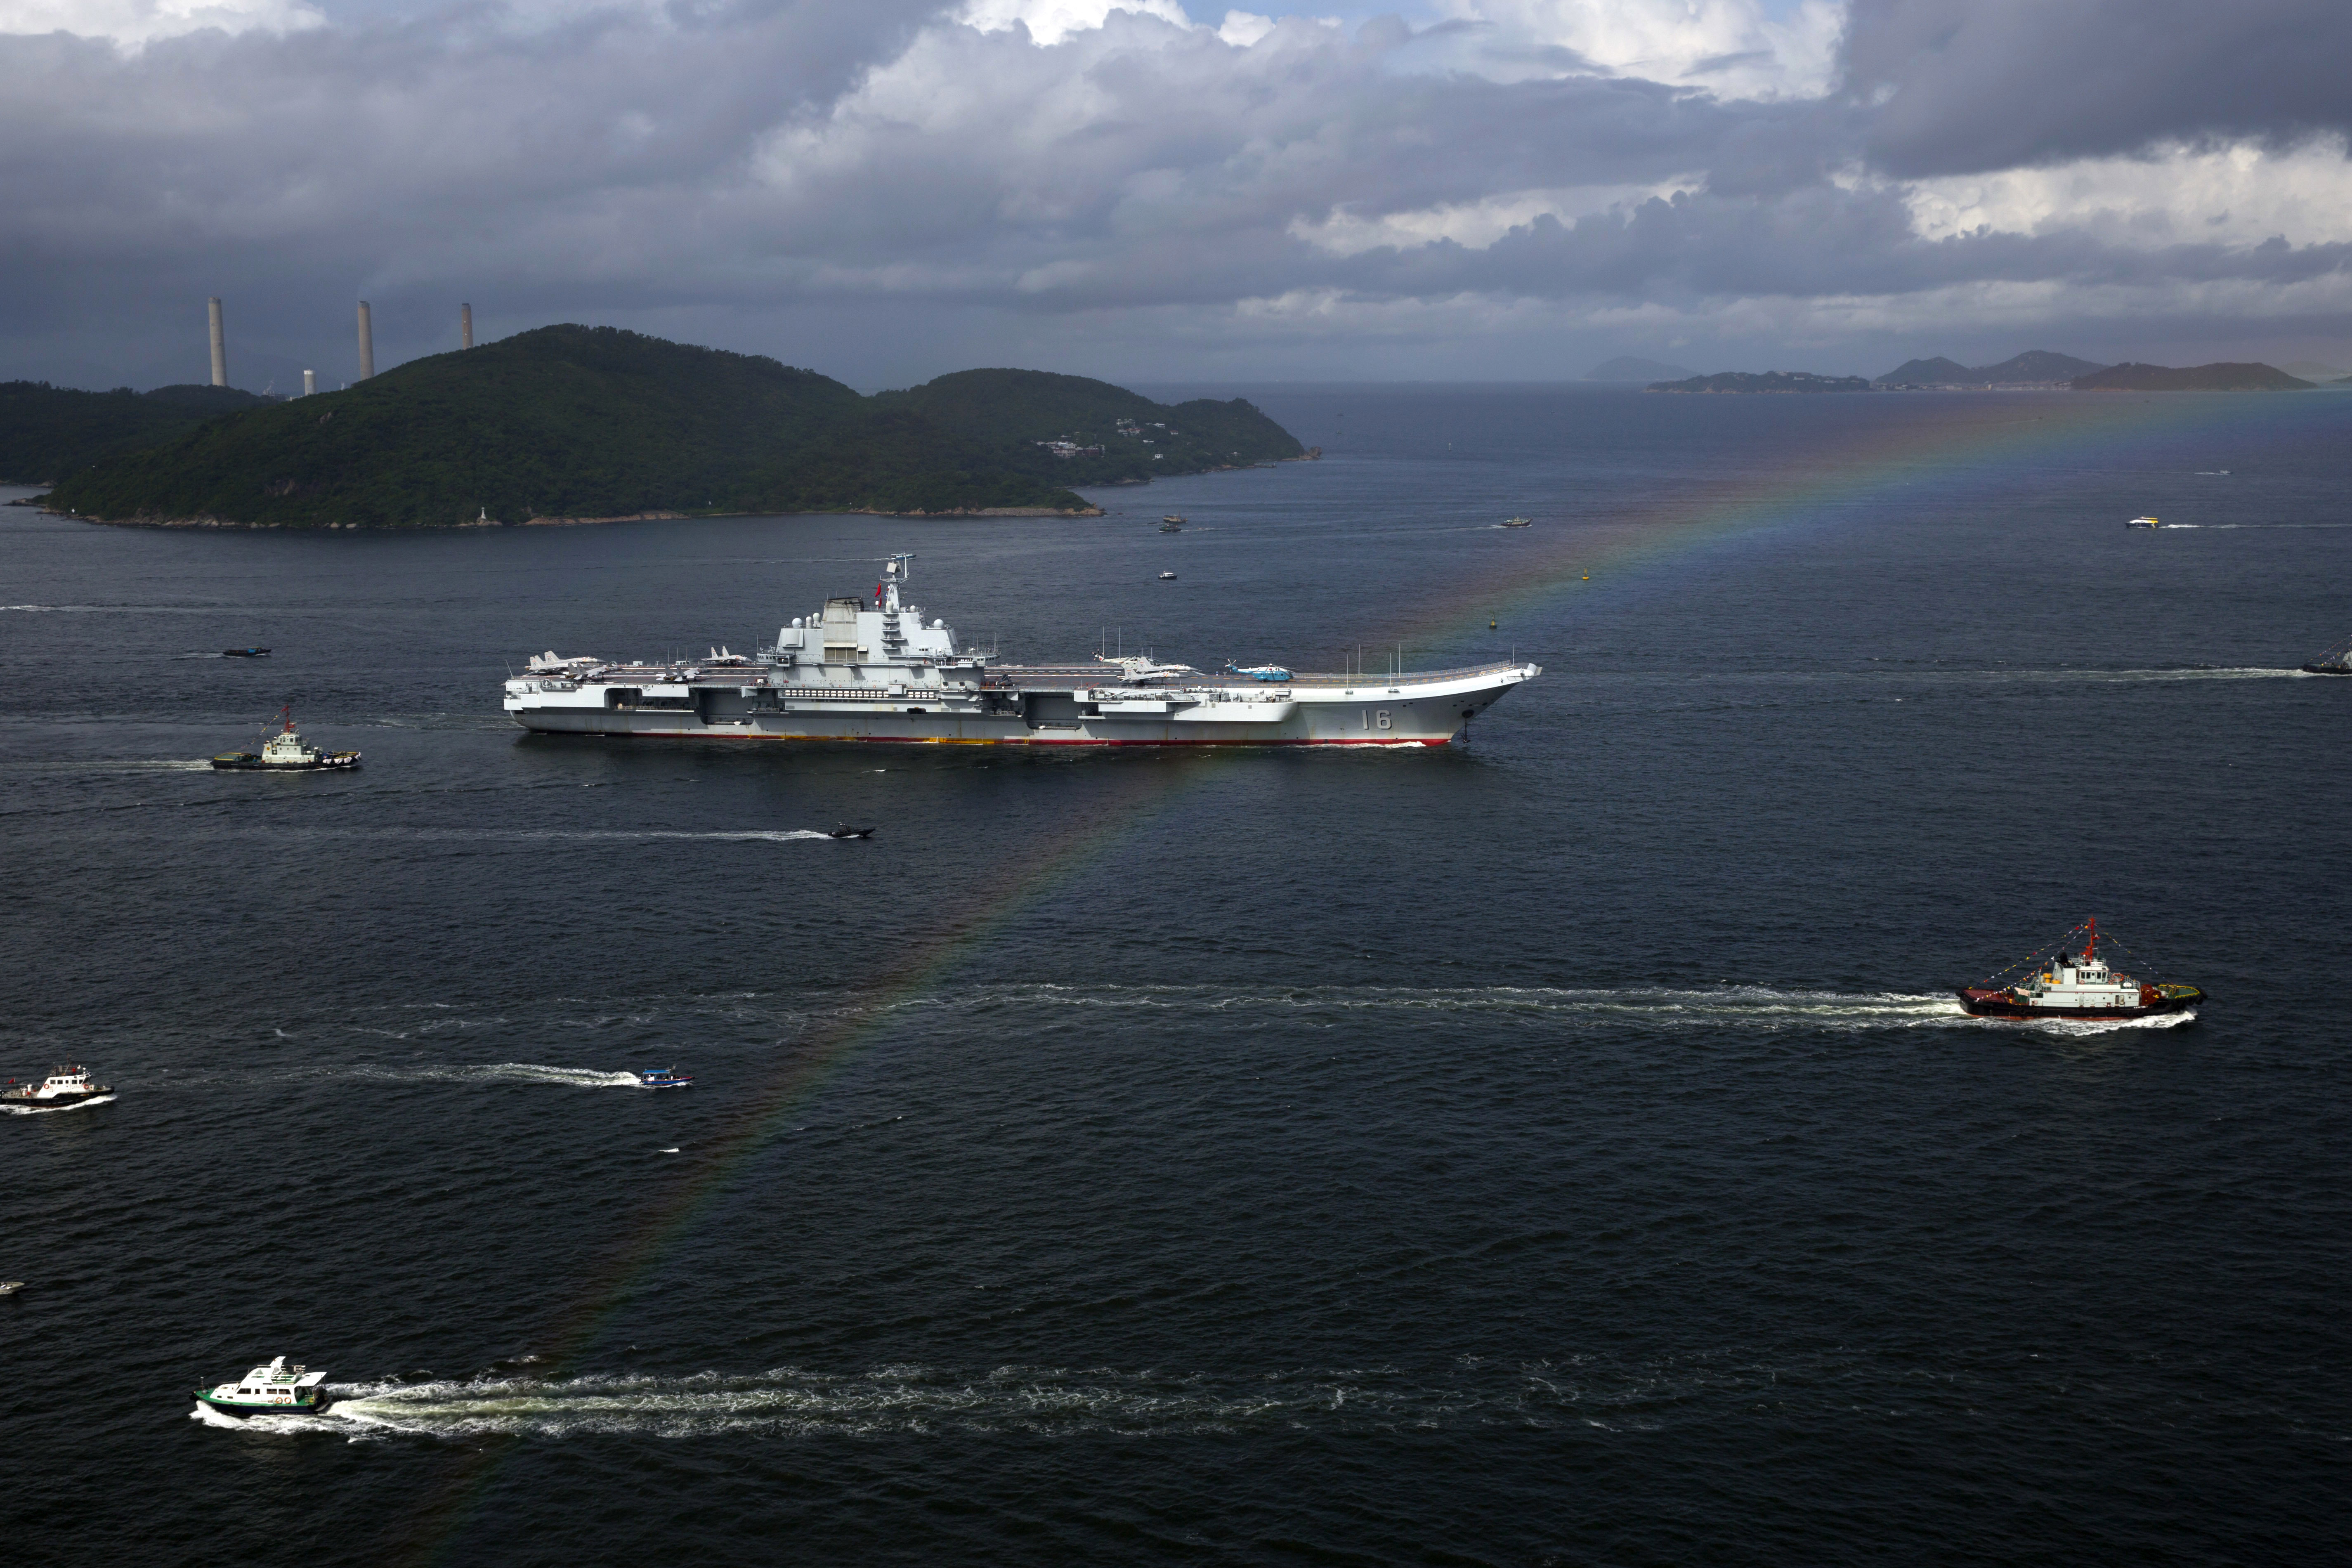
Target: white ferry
pixel 878 671
pixel 65 1088
pixel 273 1390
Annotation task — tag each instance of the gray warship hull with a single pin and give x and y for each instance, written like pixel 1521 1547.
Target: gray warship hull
pixel 863 671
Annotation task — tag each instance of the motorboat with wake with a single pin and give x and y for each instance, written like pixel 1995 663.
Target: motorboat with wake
pixel 64 1089
pixel 285 751
pixel 842 830
pixel 664 1078
pixel 2143 522
pixel 273 1390
pixel 2075 984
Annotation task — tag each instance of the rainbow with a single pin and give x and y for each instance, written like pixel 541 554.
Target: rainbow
pixel 1976 438
pixel 1812 491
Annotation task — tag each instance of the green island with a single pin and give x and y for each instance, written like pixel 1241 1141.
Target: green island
pixel 589 424
pixel 2129 377
pixel 48 432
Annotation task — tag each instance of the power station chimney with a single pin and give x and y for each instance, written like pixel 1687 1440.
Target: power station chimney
pixel 367 344
pixel 466 326
pixel 220 346
pixel 309 384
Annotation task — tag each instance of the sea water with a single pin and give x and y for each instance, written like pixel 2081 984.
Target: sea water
pixel 1559 1148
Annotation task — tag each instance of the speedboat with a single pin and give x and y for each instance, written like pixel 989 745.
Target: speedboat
pixel 273 1390
pixel 1519 521
pixel 842 830
pixel 64 1089
pixel 245 653
pixel 2143 522
pixel 2080 985
pixel 664 1078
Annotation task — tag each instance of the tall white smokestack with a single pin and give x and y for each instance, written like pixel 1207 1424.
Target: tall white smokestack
pixel 466 326
pixel 367 344
pixel 309 384
pixel 220 346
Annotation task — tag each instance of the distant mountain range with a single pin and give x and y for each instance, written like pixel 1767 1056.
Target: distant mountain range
pixel 2129 377
pixel 1625 367
pixel 1765 381
pixel 2035 367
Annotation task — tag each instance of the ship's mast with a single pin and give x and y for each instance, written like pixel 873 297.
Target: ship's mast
pixel 894 573
pixel 2091 943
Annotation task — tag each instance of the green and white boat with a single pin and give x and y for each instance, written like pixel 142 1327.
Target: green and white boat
pixel 273 1390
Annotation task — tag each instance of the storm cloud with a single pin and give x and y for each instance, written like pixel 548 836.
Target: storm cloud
pixel 887 191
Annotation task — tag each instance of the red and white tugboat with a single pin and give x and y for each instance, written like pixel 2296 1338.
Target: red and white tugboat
pixel 2078 986
pixel 62 1090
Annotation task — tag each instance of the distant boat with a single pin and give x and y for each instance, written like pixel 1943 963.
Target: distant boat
pixel 1517 522
pixel 1172 524
pixel 245 653
pixel 842 830
pixel 2336 660
pixel 2143 522
pixel 664 1078
pixel 1168 576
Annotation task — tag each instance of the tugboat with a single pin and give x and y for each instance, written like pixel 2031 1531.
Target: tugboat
pixel 273 1390
pixel 2071 984
pixel 61 1090
pixel 664 1078
pixel 2336 660
pixel 285 752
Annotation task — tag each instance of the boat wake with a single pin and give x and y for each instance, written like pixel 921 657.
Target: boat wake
pixel 2084 1028
pixel 54 1109
pixel 499 1072
pixel 1044 1401
pixel 1757 1007
pixel 600 835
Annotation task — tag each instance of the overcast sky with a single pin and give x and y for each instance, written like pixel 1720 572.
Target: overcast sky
pixel 885 189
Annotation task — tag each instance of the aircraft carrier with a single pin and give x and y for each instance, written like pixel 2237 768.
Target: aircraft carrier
pixel 872 669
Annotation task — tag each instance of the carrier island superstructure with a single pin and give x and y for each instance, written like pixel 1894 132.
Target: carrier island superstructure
pixel 873 669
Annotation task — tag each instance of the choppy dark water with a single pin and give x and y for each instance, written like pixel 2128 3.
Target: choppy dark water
pixel 1552 1151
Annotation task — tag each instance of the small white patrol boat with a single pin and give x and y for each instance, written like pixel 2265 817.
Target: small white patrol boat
pixel 276 1389
pixel 65 1088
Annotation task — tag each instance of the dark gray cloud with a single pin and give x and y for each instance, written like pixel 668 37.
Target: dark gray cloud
pixel 886 194
pixel 1958 85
